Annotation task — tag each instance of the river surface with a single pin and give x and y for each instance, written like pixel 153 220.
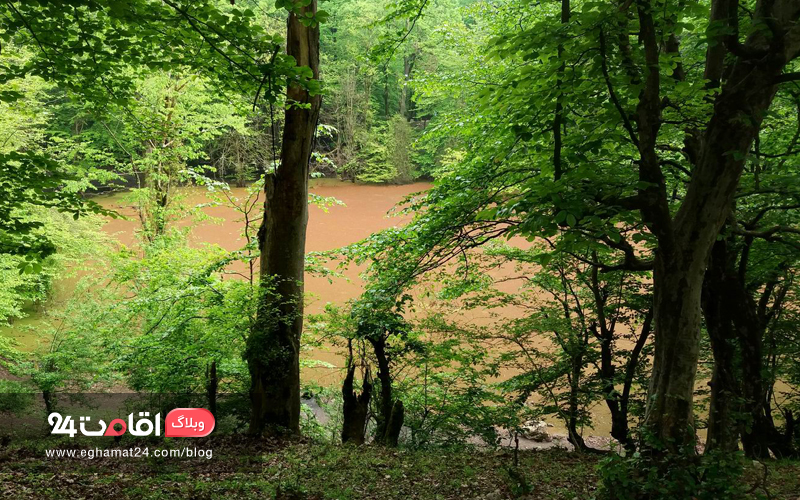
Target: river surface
pixel 365 210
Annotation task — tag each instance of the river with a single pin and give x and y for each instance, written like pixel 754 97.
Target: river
pixel 365 210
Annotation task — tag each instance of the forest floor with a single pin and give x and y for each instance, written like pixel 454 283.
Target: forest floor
pixel 264 469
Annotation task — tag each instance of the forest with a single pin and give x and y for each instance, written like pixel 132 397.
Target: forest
pixel 436 249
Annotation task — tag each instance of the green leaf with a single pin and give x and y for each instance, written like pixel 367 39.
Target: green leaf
pixel 571 221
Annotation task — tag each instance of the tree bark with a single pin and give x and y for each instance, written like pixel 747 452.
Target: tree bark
pixel 390 412
pixel 576 373
pixel 617 402
pixel 355 408
pixel 395 424
pixel 273 347
pixel 733 317
pixel 760 436
pixel 385 378
pixel 604 331
pixel 723 427
pixel 685 241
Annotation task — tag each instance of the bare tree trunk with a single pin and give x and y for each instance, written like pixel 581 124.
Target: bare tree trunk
pixel 273 347
pixel 355 408
pixel 390 412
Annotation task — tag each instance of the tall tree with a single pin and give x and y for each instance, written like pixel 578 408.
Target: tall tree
pixel 273 348
pixel 685 239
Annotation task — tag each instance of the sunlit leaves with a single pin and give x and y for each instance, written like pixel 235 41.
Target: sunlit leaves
pixel 88 46
pixel 30 179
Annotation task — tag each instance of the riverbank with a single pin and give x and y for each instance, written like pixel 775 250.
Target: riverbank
pixel 302 469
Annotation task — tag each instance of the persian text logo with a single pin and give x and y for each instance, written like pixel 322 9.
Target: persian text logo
pixel 180 422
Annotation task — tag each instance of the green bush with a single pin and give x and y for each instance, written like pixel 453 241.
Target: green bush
pixel 711 476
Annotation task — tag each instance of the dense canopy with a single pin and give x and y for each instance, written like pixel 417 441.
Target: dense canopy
pixel 602 233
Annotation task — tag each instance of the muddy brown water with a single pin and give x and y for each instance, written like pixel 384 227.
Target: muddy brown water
pixel 366 210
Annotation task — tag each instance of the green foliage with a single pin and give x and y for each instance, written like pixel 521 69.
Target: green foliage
pixel 28 282
pixel 30 180
pixel 386 155
pixel 327 429
pixel 446 390
pixel 9 355
pixel 710 477
pixel 97 51
pixel 183 316
pixel 371 163
pixel 72 356
pixel 173 123
pixel 170 94
pixel 39 172
pixel 372 56
pixel 90 47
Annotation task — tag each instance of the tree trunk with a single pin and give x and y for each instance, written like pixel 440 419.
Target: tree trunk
pixel 385 400
pixel 788 433
pixel 49 404
pixel 685 241
pixel 761 435
pixel 619 423
pixel 573 436
pixel 386 95
pixel 617 402
pixel 669 418
pixel 355 408
pixel 395 424
pixel 273 347
pixel 732 315
pixel 390 412
pixel 723 427
pixel 405 93
pixel 211 388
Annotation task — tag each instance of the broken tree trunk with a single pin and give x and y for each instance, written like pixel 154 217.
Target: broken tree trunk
pixel 355 408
